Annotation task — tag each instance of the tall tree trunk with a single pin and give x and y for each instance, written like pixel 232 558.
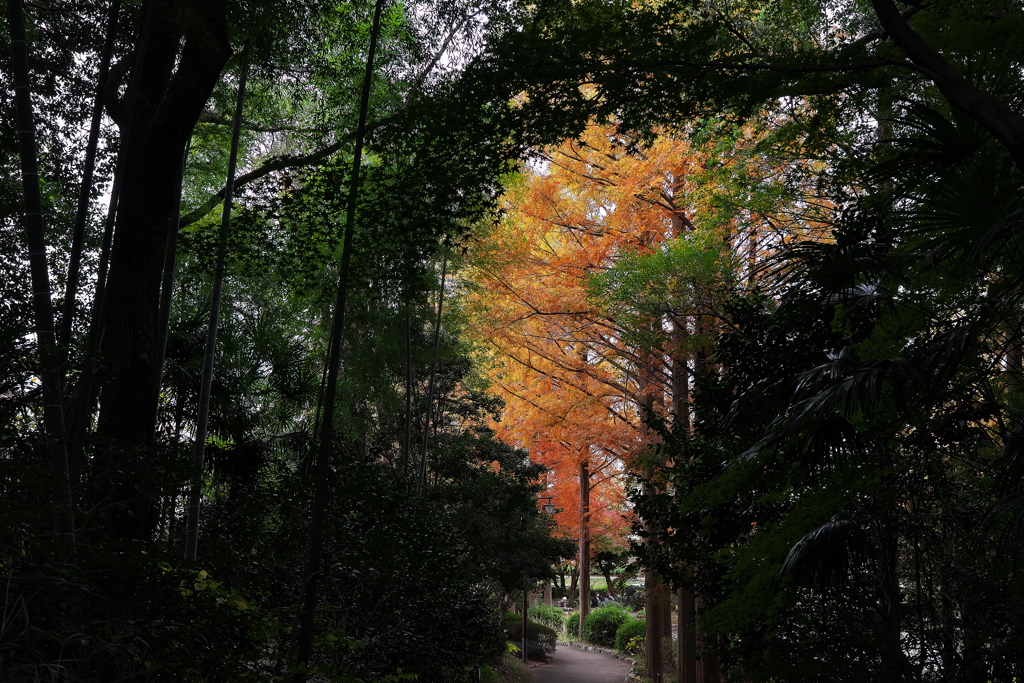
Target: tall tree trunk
pixel 407 443
pixel 584 559
pixel 686 643
pixel 167 283
pixel 85 391
pixel 42 303
pixel 82 209
pixel 175 85
pixel 202 418
pixel 425 444
pixel 708 669
pixel 654 641
pixel 319 512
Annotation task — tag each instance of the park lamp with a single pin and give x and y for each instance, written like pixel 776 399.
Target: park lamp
pixel 549 508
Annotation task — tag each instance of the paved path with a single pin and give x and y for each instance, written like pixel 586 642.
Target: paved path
pixel 572 665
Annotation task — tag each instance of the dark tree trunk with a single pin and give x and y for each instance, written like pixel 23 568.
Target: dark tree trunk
pixel 174 90
pixel 307 611
pixel 686 660
pixel 42 303
pixel 584 560
pixel 202 418
pixel 82 210
pixel 425 449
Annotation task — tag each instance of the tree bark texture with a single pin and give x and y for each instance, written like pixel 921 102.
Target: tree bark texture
pixel 708 667
pixel 168 106
pixel 584 561
pixel 686 657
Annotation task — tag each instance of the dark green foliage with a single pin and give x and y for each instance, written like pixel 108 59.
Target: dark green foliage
pixel 572 624
pixel 629 638
pixel 631 597
pixel 601 625
pixel 855 443
pixel 536 631
pixel 549 615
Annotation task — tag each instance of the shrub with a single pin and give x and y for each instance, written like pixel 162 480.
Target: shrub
pixel 549 615
pixel 631 597
pixel 572 624
pixel 629 638
pixel 600 625
pixel 544 635
pixel 509 670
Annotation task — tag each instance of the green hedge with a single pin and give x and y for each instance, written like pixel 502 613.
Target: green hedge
pixel 544 635
pixel 572 624
pixel 549 615
pixel 629 638
pixel 600 625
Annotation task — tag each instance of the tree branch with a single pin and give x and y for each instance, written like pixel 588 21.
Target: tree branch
pixel 996 116
pixel 269 166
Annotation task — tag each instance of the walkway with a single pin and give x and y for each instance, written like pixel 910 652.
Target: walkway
pixel 572 665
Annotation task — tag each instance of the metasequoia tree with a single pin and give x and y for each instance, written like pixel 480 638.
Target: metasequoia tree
pixel 578 386
pixel 599 292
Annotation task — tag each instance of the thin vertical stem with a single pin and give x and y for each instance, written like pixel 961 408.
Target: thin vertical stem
pixel 82 210
pixel 319 511
pixel 584 559
pixel 42 303
pixel 425 445
pixel 407 446
pixel 167 284
pixel 202 421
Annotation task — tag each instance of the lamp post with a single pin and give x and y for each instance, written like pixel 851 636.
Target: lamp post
pixel 549 508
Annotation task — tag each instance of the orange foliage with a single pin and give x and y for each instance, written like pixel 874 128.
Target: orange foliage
pixel 575 390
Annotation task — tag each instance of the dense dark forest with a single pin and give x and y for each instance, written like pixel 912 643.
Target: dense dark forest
pixel 259 405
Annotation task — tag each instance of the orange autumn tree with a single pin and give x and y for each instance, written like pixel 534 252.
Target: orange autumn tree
pixel 599 293
pixel 576 388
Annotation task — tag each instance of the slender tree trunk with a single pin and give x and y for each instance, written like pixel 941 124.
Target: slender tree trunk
pixel 202 418
pixel 655 639
pixel 425 445
pixel 407 443
pixel 708 665
pixel 42 304
pixel 584 560
pixel 526 608
pixel 82 210
pixel 167 283
pixel 319 511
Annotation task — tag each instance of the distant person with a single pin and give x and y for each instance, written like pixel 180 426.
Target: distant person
pixel 595 601
pixel 564 604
